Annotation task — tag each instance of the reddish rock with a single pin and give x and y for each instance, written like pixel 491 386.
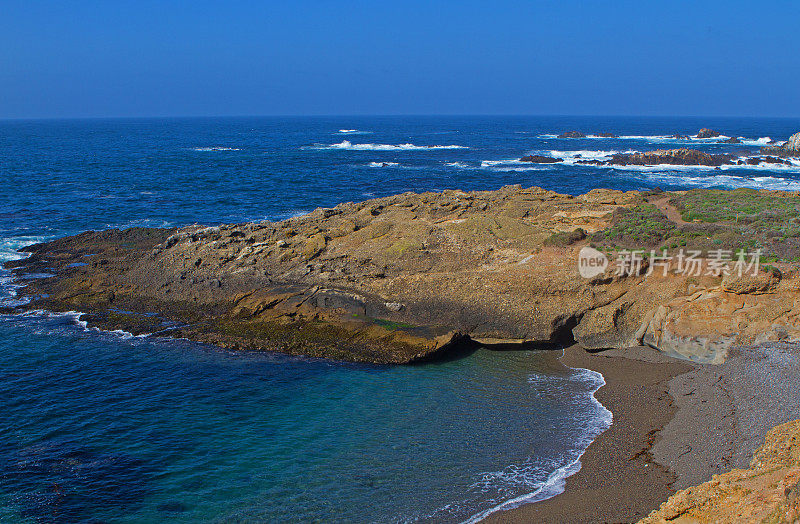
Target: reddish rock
pixel 572 134
pixel 707 133
pixel 681 157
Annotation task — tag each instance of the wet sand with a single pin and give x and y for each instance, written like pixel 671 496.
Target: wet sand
pixel 675 425
pixel 618 480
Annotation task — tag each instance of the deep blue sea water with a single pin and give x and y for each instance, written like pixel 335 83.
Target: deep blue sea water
pixel 104 427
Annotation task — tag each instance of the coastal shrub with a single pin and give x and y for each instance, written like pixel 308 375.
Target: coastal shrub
pixel 565 238
pixel 742 219
pixel 640 227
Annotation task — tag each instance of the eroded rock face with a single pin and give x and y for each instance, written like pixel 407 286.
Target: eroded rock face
pixel 683 156
pixel 769 491
pixel 707 133
pixel 402 278
pixel 790 148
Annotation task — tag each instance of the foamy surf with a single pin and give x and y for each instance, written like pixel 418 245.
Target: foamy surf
pixel 349 146
pixel 720 181
pixel 575 158
pixel 207 149
pixel 555 483
pixel 673 139
pixel 352 132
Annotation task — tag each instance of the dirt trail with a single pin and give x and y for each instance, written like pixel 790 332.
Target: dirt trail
pixel 669 210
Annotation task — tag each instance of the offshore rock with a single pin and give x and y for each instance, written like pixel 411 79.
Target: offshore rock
pixel 707 133
pixel 572 134
pixel 790 148
pixel 683 157
pixel 539 159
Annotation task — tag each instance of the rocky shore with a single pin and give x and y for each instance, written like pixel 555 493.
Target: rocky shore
pixel 414 276
pixel 418 277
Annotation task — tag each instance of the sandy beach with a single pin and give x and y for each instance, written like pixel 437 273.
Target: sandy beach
pixel 675 425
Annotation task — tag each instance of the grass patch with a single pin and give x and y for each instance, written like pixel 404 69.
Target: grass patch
pixel 565 238
pixel 640 227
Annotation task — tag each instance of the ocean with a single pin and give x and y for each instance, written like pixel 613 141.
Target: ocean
pixel 106 427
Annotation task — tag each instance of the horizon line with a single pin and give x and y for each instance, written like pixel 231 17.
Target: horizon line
pixel 387 115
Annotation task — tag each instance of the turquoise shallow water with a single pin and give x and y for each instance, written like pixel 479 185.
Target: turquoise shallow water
pixel 101 427
pixel 97 426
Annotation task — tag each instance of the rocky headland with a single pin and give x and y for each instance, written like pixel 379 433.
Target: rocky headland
pixel 409 277
pixel 415 277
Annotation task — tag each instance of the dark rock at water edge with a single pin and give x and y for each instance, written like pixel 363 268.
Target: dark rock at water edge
pixel 539 159
pixel 707 133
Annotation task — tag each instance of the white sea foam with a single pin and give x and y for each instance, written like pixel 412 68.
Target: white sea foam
pixel 460 165
pixel 764 140
pixel 556 481
pixel 573 158
pixel 667 139
pixel 724 181
pixel 74 318
pixel 352 132
pixel 349 146
pixel 216 149
pixel 383 164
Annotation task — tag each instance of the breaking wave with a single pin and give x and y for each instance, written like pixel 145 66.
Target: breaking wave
pixel 672 139
pixel 349 146
pixel 216 149
pixel 352 132
pixel 721 181
pixel 555 482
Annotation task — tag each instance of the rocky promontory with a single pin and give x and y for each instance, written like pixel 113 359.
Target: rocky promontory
pixel 789 148
pixel 416 276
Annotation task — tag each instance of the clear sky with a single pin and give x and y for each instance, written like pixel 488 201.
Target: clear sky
pixel 302 57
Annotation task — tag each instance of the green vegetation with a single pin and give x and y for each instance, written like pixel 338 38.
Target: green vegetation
pixel 565 238
pixel 754 219
pixel 643 226
pixel 718 220
pixel 762 213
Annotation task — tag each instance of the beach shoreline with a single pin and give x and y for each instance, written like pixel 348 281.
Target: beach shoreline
pixel 676 423
pixel 619 481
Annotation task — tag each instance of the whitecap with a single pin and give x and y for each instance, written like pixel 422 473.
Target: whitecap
pixel 352 132
pixel 764 140
pixel 215 149
pixel 349 146
pixel 383 164
pixel 725 181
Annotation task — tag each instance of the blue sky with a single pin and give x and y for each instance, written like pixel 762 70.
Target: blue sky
pixel 295 57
